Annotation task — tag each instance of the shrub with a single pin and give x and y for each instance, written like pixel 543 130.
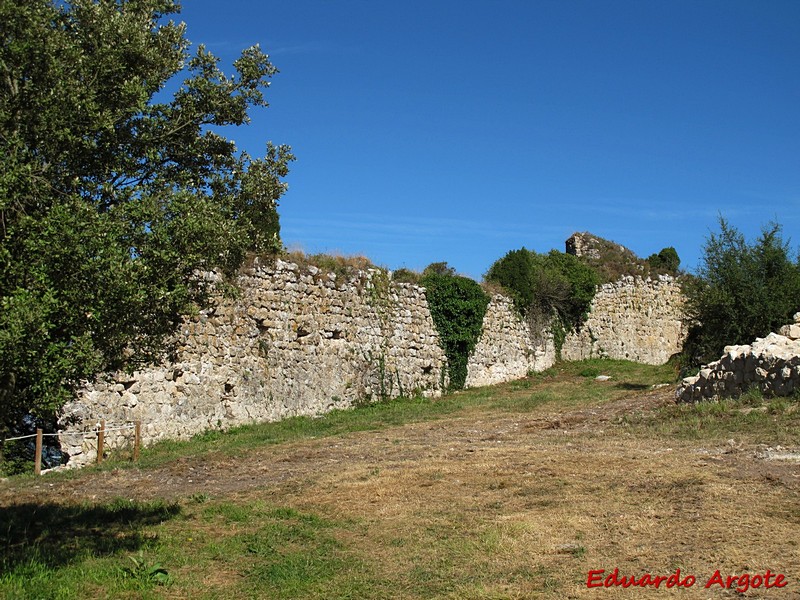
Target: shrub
pixel 666 261
pixel 457 305
pixel 404 275
pixel 547 285
pixel 742 291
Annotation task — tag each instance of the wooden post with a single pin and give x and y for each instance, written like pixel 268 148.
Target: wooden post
pixel 37 459
pixel 137 440
pixel 101 436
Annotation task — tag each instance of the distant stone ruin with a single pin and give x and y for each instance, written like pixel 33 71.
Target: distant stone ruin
pixel 772 364
pixel 636 314
pixel 586 245
pixel 611 260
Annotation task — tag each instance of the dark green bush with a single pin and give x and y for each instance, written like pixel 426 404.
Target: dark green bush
pixel 666 261
pixel 542 285
pixel 742 291
pixel 457 305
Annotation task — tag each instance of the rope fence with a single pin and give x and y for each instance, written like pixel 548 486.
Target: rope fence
pixel 100 431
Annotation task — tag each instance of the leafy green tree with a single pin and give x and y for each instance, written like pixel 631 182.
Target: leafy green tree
pixel 666 261
pixel 742 291
pixel 541 284
pixel 115 198
pixel 458 305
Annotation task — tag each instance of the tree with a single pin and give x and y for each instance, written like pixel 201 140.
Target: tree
pixel 742 291
pixel 114 202
pixel 553 290
pixel 544 283
pixel 666 261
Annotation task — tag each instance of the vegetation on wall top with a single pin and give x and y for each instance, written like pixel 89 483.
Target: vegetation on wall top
pixel 549 290
pixel 666 261
pixel 613 261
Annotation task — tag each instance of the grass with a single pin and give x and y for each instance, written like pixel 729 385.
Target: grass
pixel 514 491
pixel 751 418
pixel 48 548
pixel 565 385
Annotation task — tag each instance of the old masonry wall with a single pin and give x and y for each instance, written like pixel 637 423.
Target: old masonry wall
pixel 635 319
pixel 298 341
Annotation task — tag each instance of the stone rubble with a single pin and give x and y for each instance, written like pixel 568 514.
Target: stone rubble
pixel 772 364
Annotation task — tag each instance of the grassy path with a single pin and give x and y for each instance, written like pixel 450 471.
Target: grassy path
pixel 516 491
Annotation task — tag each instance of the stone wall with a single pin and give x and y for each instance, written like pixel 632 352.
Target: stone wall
pixel 772 364
pixel 297 341
pixel 506 349
pixel 632 319
pixel 583 245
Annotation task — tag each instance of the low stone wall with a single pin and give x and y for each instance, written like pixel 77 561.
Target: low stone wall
pixel 635 319
pixel 771 363
pixel 506 349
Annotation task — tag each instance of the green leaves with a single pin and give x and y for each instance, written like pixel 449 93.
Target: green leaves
pixel 541 284
pixel 666 261
pixel 111 202
pixel 144 572
pixel 742 291
pixel 457 306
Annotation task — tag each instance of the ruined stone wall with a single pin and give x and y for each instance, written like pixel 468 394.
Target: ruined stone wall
pixel 506 349
pixel 583 244
pixel 297 341
pixel 632 319
pixel 771 364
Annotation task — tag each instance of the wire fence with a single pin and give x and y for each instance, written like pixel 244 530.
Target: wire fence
pixel 100 431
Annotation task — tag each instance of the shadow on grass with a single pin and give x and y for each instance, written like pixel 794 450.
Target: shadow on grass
pixel 633 386
pixel 56 535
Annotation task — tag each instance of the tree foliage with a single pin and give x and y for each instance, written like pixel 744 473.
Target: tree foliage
pixel 742 291
pixel 666 261
pixel 544 284
pixel 457 305
pixel 115 197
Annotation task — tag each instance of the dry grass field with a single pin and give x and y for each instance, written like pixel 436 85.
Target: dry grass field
pixel 516 491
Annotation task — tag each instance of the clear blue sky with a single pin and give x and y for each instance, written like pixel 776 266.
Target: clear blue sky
pixel 456 130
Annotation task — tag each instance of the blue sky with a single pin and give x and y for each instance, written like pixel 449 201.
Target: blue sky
pixel 459 130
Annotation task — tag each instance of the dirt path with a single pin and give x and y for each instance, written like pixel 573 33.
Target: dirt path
pixel 539 499
pixel 459 440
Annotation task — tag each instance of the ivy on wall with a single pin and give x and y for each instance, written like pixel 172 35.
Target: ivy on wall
pixel 457 305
